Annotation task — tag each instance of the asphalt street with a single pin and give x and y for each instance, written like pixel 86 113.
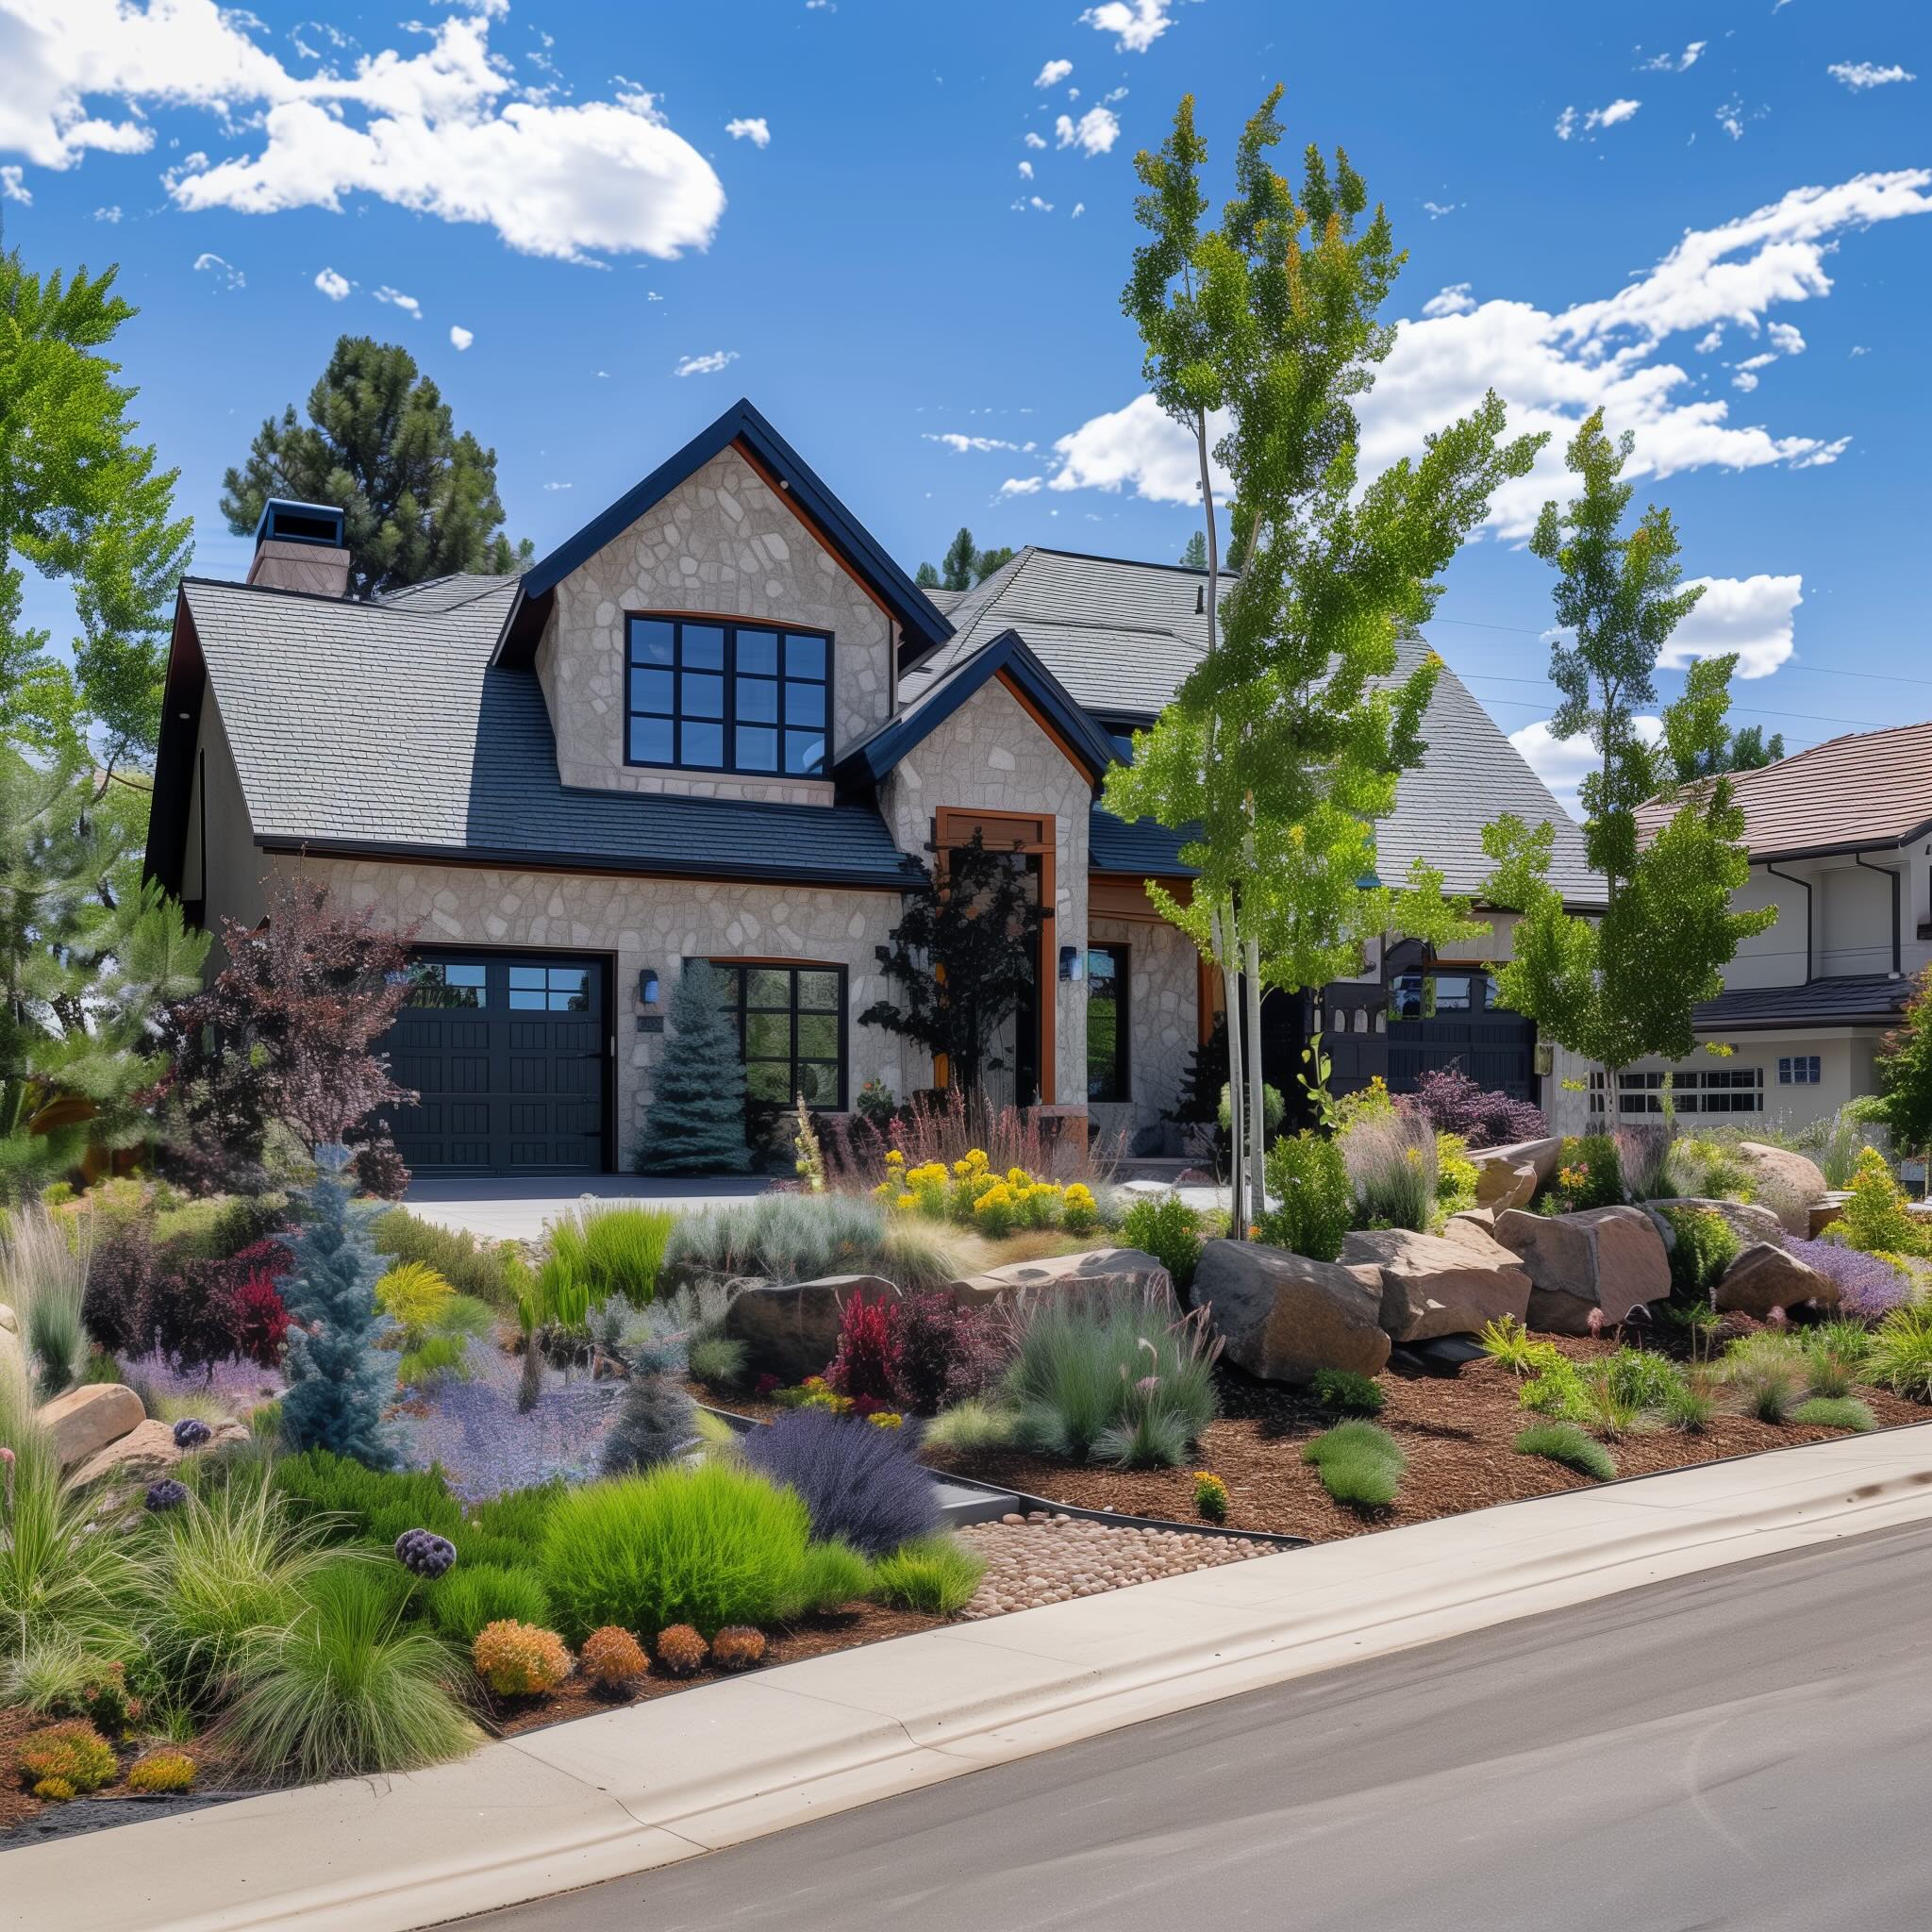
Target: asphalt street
pixel 1749 1748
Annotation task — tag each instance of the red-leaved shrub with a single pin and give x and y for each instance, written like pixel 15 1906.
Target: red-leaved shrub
pixel 862 1364
pixel 939 1353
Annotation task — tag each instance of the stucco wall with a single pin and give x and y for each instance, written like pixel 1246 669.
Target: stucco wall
pixel 989 756
pixel 1846 1070
pixel 721 543
pixel 1162 1022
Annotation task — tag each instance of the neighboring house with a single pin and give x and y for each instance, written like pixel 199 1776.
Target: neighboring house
pixel 721 723
pixel 1840 843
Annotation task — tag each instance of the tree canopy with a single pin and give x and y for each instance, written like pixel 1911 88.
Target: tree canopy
pixel 963 564
pixel 419 498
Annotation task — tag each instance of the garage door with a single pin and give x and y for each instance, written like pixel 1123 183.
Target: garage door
pixel 506 1052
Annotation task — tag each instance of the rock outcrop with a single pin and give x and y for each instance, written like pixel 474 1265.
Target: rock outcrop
pixel 1283 1316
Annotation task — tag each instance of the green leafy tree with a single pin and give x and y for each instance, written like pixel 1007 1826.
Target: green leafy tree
pixel 1745 750
pixel 963 957
pixel 695 1123
pixel 987 561
pixel 82 503
pixel 419 499
pixel 339 1381
pixel 1195 556
pixel 1905 1072
pixel 1284 745
pixel 1622 987
pixel 88 959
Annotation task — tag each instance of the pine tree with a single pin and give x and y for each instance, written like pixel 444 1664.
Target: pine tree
pixel 1195 556
pixel 338 1379
pixel 955 568
pixel 695 1123
pixel 926 577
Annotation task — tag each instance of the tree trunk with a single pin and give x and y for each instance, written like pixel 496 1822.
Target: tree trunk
pixel 1257 1111
pixel 1224 937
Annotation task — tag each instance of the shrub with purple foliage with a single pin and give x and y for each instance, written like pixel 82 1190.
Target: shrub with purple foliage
pixel 856 1481
pixel 938 1353
pixel 1867 1286
pixel 191 1433
pixel 1452 1104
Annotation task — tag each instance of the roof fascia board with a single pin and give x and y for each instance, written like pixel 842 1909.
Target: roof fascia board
pixel 1839 851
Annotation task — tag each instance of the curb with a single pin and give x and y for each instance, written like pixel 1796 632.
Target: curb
pixel 615 1794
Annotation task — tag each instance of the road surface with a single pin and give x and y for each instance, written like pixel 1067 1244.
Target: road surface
pixel 1750 1748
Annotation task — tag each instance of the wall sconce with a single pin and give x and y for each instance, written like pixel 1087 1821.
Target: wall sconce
pixel 648 986
pixel 1072 963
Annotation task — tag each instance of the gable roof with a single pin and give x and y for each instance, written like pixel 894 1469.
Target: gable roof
pixel 385 728
pixel 741 426
pixel 1869 788
pixel 1006 657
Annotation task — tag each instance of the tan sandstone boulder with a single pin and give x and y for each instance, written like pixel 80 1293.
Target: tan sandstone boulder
pixel 1768 1275
pixel 147 1453
pixel 1504 1184
pixel 1130 1270
pixel 86 1419
pixel 1432 1285
pixel 1283 1316
pixel 1606 1258
pixel 1795 1182
pixel 791 1331
pixel 1541 1154
pixel 1745 1219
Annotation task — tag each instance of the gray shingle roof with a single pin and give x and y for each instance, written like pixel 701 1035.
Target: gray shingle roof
pixel 1850 1000
pixel 383 726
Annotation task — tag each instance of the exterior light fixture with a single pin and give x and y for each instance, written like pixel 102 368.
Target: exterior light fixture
pixel 648 986
pixel 1072 965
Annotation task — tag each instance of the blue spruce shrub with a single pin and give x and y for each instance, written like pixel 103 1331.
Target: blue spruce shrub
pixel 166 1494
pixel 338 1378
pixel 696 1120
pixel 191 1434
pixel 424 1553
pixel 857 1483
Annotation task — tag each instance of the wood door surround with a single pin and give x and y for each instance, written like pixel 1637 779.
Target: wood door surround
pixel 1033 835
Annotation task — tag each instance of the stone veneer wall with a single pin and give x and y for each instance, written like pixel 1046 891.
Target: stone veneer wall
pixel 658 923
pixel 721 543
pixel 1163 1007
pixel 989 756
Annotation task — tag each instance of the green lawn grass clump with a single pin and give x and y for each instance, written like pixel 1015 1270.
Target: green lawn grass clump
pixel 1566 1444
pixel 1359 1464
pixel 1837 1412
pixel 934 1574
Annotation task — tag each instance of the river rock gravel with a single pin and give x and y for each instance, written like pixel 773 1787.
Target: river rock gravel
pixel 1050 1558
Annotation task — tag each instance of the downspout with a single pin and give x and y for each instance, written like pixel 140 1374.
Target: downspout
pixel 1792 879
pixel 1891 872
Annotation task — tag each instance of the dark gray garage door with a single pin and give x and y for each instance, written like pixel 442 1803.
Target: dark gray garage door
pixel 508 1051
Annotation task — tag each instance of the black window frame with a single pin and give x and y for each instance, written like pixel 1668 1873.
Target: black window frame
pixel 742 1009
pixel 1788 1074
pixel 1122 956
pixel 729 673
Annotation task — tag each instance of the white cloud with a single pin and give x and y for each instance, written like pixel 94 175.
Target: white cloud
pixel 1612 116
pixel 1677 63
pixel 226 274
pixel 954 440
pixel 1138 23
pixel 1094 133
pixel 1453 300
pixel 1562 763
pixel 1785 338
pixel 1860 349
pixel 12 187
pixel 1436 209
pixel 332 285
pixel 1079 210
pixel 461 336
pixel 1052 74
pixel 1035 141
pixel 754 129
pixel 396 299
pixel 1751 616
pixel 441 130
pixel 1860 74
pixel 1731 117
pixel 557 486
pixel 1025 171
pixel 108 214
pixel 652 296
pixel 1022 486
pixel 1553 367
pixel 1045 207
pixel 705 365
pixel 1566 123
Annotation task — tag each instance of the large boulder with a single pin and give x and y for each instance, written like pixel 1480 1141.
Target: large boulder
pixel 1283 1316
pixel 1745 1219
pixel 1128 1269
pixel 1502 1183
pixel 793 1331
pixel 147 1453
pixel 1768 1275
pixel 1432 1285
pixel 86 1419
pixel 1796 1181
pixel 1610 1260
pixel 1541 1154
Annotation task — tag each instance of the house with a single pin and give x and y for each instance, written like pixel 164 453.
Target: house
pixel 1840 843
pixel 719 722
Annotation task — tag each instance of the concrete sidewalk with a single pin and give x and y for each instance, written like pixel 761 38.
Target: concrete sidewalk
pixel 639 1788
pixel 520 1209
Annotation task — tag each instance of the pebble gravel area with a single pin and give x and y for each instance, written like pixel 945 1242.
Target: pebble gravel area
pixel 1044 1558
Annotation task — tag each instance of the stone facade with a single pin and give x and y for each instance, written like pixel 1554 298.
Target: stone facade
pixel 1163 1024
pixel 721 544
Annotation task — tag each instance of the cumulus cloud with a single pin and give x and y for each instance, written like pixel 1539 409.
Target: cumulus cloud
pixel 14 188
pixel 224 273
pixel 1022 486
pixel 705 365
pixel 954 440
pixel 396 299
pixel 1093 133
pixel 108 214
pixel 1677 63
pixel 1553 367
pixel 1035 141
pixel 332 285
pixel 1052 74
pixel 754 129
pixel 1860 74
pixel 1135 24
pixel 461 336
pixel 1751 616
pixel 1436 209
pixel 1025 171
pixel 443 131
pixel 1453 300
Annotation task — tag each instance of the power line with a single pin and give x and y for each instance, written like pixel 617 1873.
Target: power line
pixel 1747 710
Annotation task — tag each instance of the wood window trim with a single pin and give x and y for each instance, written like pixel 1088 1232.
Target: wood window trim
pixel 1034 834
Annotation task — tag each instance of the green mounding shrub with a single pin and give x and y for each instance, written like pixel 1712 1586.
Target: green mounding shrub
pixel 469 1267
pixel 473 1594
pixel 1834 1357
pixel 624 1250
pixel 706 1546
pixel 1309 1178
pixel 804 1237
pixel 934 1574
pixel 1835 1412
pixel 1359 1464
pixel 1566 1444
pixel 970 1425
pixel 518 1517
pixel 347 1687
pixel 439 1358
pixel 1346 1393
pixel 1110 1376
pixel 1170 1230
pixel 359 1502
pixel 1766 1374
pixel 1706 1245
pixel 1391 1161
pixel 213 1230
pixel 1595 1171
pixel 1875 1217
pixel 1900 1358
pixel 1610 1396
pixel 1689 1408
pixel 831 1576
pixel 718 1361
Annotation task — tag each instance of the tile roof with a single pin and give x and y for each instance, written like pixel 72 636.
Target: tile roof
pixel 1863 998
pixel 1872 787
pixel 383 725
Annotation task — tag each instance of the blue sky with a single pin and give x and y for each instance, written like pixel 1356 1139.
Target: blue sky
pixel 1703 215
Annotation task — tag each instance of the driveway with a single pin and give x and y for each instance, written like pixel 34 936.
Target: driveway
pixel 514 1208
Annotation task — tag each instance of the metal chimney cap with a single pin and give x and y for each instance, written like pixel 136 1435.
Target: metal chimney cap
pixel 287 521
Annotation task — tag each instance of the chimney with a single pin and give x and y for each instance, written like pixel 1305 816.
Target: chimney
pixel 298 546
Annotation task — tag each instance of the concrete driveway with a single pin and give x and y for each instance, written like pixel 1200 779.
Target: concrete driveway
pixel 513 1207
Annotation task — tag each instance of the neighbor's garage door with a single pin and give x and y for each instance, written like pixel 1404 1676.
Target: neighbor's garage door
pixel 506 1052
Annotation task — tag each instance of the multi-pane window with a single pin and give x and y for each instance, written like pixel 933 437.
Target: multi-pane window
pixel 1423 995
pixel 1711 1089
pixel 1798 1070
pixel 727 697
pixel 792 1025
pixel 447 983
pixel 550 988
pixel 1107 1023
